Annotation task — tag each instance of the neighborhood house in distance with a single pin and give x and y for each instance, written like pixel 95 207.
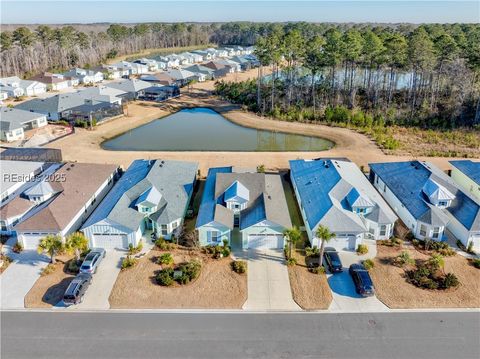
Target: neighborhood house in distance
pixel 334 193
pixel 151 196
pixel 466 173
pixel 428 201
pixel 241 204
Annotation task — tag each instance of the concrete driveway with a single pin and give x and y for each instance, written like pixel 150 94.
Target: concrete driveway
pixel 96 296
pixel 268 281
pixel 345 297
pixel 20 276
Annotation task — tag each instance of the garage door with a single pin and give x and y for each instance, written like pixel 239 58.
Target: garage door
pixel 31 241
pixel 343 243
pixel 110 241
pixel 262 241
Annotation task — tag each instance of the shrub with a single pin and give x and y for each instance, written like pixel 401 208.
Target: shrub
pixel 17 247
pixel 311 252
pixel 368 264
pixel 362 249
pixel 476 263
pixel 163 245
pixel 470 248
pixel 73 266
pixel 217 251
pixel 291 262
pixel 226 251
pixel 134 250
pixel 404 259
pixel 450 281
pixel 317 270
pixel 165 259
pixel 165 277
pixel 128 262
pixel 239 267
pixel 49 269
pixel 261 168
pixel 190 271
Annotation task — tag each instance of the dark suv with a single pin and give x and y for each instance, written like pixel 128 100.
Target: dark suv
pixel 77 288
pixel 362 280
pixel 332 260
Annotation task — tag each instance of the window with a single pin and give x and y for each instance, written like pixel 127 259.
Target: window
pixel 436 232
pixel 383 230
pixel 443 203
pixel 213 236
pixel 236 206
pixel 174 225
pixel 164 229
pixel 423 230
pixel 3 225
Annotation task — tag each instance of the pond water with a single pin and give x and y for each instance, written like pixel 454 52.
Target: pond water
pixel 202 129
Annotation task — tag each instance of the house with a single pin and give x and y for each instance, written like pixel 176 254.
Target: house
pixel 182 77
pixel 243 205
pixel 219 68
pixel 132 88
pixel 335 194
pixel 196 57
pixel 94 111
pixel 161 78
pixel 243 61
pixel 202 72
pixel 220 52
pixel 84 76
pixel 180 60
pixel 206 55
pixel 428 201
pixel 56 107
pixel 169 61
pixel 151 196
pixel 15 87
pixel 63 201
pixel 152 65
pixel 160 93
pixel 466 174
pixel 17 178
pixel 14 122
pixel 115 72
pixel 55 82
pixel 3 96
pixel 229 63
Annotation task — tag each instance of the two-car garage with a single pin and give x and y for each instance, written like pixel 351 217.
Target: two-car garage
pixel 265 241
pixel 110 241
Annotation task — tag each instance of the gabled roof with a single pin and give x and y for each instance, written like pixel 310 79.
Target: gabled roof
pixel 173 180
pixel 407 180
pixel 44 188
pixel 151 196
pixel 81 181
pixel 180 74
pixel 15 207
pixel 435 191
pixel 129 85
pixel 237 191
pixel 329 188
pixel 266 199
pixel 469 168
pixel 14 118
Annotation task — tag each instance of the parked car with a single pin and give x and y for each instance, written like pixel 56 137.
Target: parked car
pixel 362 280
pixel 332 260
pixel 77 288
pixel 92 260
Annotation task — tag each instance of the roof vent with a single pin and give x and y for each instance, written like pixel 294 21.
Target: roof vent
pixel 325 163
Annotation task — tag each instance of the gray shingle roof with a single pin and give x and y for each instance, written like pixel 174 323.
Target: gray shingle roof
pixel 13 118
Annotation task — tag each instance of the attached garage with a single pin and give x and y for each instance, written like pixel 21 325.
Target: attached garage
pixel 30 240
pixel 110 241
pixel 265 241
pixel 343 243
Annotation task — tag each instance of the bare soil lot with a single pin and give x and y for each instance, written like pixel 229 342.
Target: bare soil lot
pixel 217 287
pixel 48 290
pixel 394 291
pixel 310 291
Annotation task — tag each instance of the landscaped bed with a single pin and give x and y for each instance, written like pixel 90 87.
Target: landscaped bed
pixel 310 291
pixel 217 286
pixel 395 292
pixel 48 290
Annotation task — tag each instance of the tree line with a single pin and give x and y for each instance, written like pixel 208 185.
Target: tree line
pixel 427 75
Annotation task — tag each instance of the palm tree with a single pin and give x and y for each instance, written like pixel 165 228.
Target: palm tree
pixel 293 236
pixel 325 235
pixel 75 243
pixel 51 244
pixel 436 261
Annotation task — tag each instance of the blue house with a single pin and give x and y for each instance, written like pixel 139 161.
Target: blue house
pixel 428 201
pixel 334 193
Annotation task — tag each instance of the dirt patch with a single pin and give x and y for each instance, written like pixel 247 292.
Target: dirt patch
pixel 310 291
pixel 217 287
pixel 395 292
pixel 48 290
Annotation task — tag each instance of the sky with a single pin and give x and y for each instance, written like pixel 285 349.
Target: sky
pixel 128 11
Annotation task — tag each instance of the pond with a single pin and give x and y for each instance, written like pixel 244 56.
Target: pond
pixel 202 129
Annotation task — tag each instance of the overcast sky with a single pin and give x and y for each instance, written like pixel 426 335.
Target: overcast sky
pixel 86 11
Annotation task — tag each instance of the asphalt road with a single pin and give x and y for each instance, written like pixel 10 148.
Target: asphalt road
pixel 243 335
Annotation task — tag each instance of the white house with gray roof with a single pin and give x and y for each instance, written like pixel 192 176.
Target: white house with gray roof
pixel 14 123
pixel 151 196
pixel 334 193
pixel 16 87
pixel 244 202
